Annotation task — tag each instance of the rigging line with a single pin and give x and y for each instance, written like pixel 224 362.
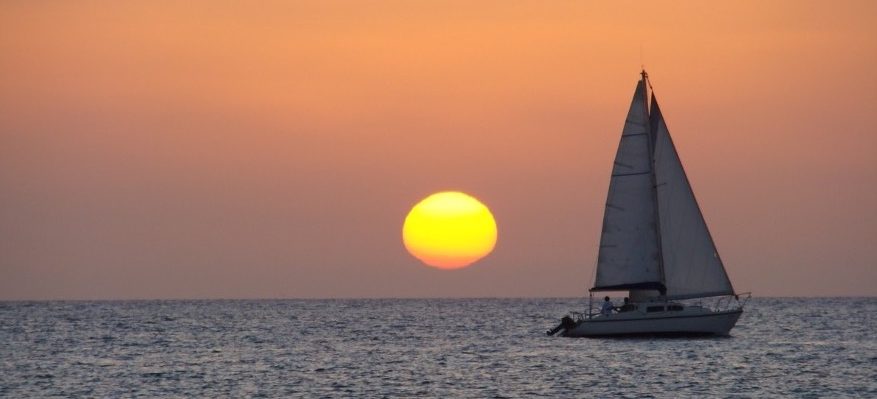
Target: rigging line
pixel 648 81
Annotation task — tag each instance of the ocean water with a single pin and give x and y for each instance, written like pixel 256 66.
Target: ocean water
pixel 479 348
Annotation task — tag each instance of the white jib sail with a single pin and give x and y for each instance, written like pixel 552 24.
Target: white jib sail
pixel 692 267
pixel 628 245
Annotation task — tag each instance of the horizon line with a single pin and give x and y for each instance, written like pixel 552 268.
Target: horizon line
pixel 193 299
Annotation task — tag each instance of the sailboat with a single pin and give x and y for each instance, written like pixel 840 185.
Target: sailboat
pixel 655 243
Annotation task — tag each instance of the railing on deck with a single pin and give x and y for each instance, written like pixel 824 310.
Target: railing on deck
pixel 725 303
pixel 716 304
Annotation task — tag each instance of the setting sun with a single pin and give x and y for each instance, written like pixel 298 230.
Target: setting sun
pixel 449 230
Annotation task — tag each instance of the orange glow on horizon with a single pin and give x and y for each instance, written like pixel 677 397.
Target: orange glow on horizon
pixel 236 150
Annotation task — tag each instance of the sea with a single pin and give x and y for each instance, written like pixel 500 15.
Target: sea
pixel 434 348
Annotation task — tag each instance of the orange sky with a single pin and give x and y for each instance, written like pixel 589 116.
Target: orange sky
pixel 157 150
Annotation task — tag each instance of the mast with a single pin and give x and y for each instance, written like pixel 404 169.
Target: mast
pixel 653 122
pixel 646 85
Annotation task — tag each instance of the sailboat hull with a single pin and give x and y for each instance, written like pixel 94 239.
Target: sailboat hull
pixel 685 323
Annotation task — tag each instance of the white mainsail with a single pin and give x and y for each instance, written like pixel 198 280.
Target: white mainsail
pixel 629 253
pixel 692 267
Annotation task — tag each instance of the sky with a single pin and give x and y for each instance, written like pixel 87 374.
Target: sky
pixel 272 150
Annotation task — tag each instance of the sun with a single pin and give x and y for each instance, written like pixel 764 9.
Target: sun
pixel 449 230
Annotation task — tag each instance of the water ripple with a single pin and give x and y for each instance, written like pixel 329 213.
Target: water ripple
pixel 426 348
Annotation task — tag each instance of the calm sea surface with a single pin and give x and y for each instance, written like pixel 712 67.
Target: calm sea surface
pixel 427 348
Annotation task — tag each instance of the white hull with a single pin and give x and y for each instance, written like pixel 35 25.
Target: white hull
pixel 705 322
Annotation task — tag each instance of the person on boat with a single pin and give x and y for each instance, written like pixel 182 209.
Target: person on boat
pixel 627 307
pixel 607 308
